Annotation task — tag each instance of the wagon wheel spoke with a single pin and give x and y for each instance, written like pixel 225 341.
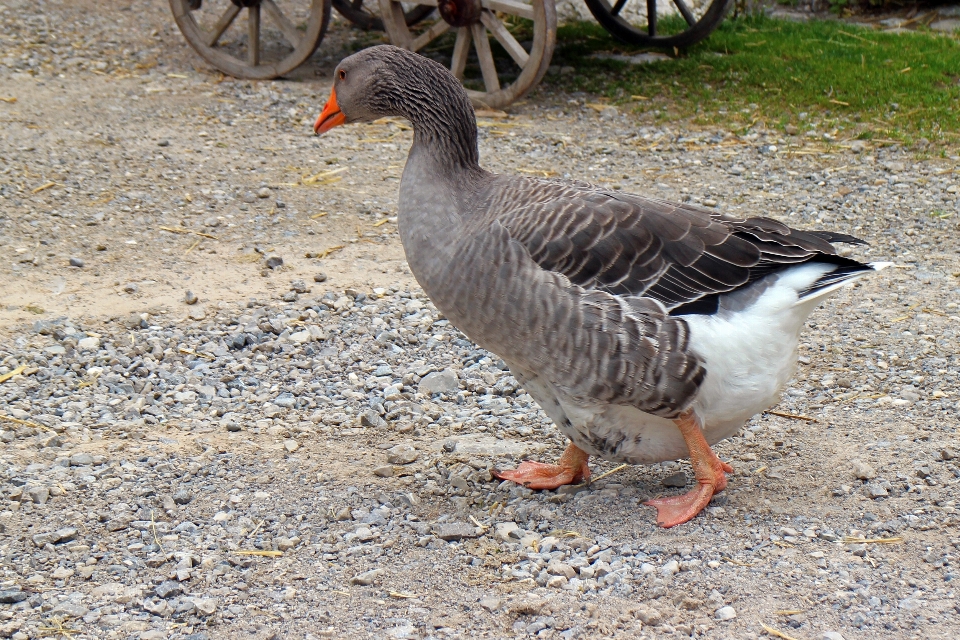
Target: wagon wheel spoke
pixel 476 35
pixel 485 56
pixel 253 35
pixel 640 25
pixel 438 29
pixel 685 12
pixel 222 24
pixel 279 35
pixel 505 38
pixel 286 27
pixel 511 7
pixel 461 49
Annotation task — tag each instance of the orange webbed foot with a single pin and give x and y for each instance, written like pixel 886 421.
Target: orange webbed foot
pixel 711 478
pixel 571 468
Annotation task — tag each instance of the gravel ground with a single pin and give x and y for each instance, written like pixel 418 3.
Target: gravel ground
pixel 304 452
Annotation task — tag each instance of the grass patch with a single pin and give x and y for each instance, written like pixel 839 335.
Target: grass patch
pixel 823 74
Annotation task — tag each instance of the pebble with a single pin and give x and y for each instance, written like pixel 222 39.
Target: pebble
pixel 670 568
pixel 274 262
pixel 402 454
pixel 367 577
pixel 455 531
pixel 76 262
pixel 862 470
pixel 831 635
pixel 168 589
pixel 445 381
pixel 678 479
pixel 726 613
pixel 320 277
pixel 190 297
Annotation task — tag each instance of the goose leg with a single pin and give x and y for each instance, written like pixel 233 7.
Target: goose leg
pixel 571 468
pixel 708 469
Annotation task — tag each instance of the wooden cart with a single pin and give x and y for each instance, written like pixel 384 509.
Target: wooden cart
pixel 500 49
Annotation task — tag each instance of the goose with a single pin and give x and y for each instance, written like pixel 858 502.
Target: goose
pixel 646 330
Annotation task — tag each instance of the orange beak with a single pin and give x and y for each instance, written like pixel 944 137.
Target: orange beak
pixel 331 116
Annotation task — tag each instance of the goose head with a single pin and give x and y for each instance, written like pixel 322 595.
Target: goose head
pixel 387 81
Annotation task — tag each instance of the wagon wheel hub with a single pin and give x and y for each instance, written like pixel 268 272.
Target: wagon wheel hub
pixel 246 4
pixel 459 13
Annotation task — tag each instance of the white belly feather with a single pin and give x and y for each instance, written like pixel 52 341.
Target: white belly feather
pixel 749 354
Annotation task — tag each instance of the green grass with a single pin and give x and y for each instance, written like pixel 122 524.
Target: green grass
pixel 859 82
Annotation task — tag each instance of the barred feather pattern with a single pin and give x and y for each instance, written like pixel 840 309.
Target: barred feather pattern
pixel 631 245
pixel 594 346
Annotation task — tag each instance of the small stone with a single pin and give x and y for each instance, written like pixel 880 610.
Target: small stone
pixel 131 287
pixel 190 297
pixel 371 418
pixel 445 381
pixel 233 427
pixel 320 277
pixel 670 568
pixel 557 582
pixel 197 313
pixel 163 143
pixel 831 635
pixel 291 445
pixel 69 609
pixel 264 192
pixel 874 491
pixel 39 495
pixel 168 589
pixel 947 453
pixel 678 479
pixel 205 606
pixel 274 262
pixel 76 262
pixel 299 286
pixel 13 596
pixel 455 531
pixel 212 221
pixel 726 613
pixel 367 577
pixel 557 568
pixel 402 454
pixel 88 344
pixel 62 573
pixel 791 129
pixel 289 296
pixel 81 460
pixel 182 497
pixel 709 202
pixel 505 531
pixel 490 603
pixel 384 471
pixel 862 470
pixel 285 544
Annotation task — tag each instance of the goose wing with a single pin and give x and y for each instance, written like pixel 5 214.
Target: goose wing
pixel 629 245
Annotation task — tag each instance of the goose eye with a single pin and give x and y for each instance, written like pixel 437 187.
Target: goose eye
pixel 343 74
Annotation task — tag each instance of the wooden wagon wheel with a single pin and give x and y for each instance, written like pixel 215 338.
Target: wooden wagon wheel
pixel 365 13
pixel 279 35
pixel 667 23
pixel 496 75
